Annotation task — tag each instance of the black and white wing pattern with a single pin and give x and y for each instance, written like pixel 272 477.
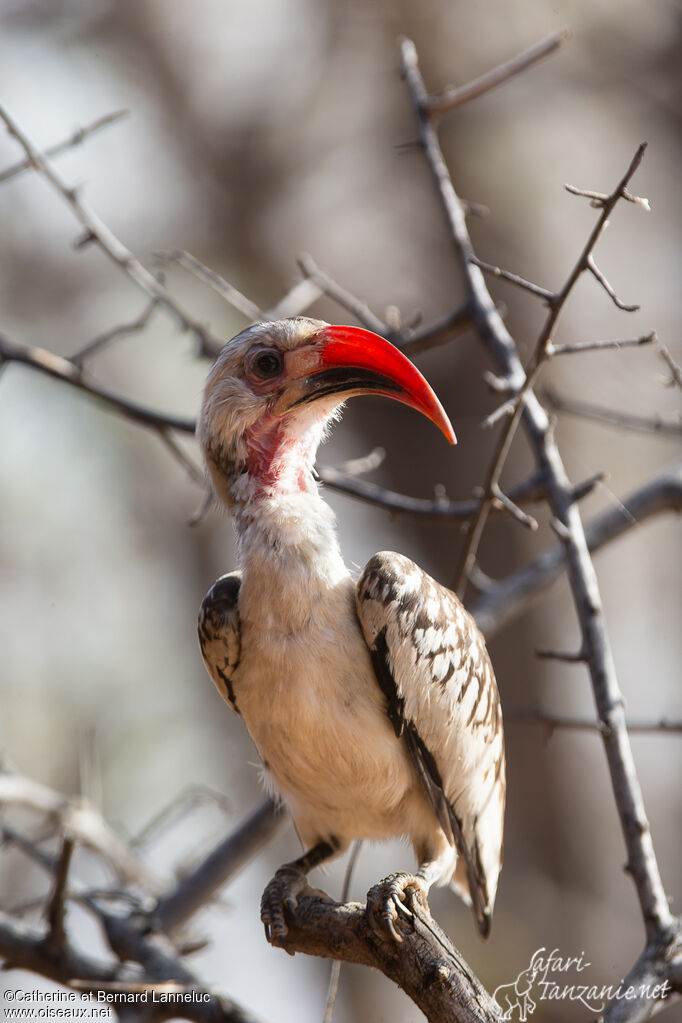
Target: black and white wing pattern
pixel 432 665
pixel 219 634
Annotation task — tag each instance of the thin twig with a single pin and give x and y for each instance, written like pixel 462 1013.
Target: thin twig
pixel 195 474
pixel 597 346
pixel 662 726
pixel 97 232
pixel 506 600
pixel 208 276
pixel 360 310
pixel 70 373
pixel 567 656
pixel 520 282
pixel 599 198
pixel 527 491
pixel 608 288
pixel 75 139
pixel 613 417
pixel 335 972
pixel 451 98
pixel 297 300
pixel 515 408
pixel 108 337
pixel 414 341
pixel 366 463
pixel 675 370
pixel 82 822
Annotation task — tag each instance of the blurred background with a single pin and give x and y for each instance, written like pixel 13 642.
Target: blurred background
pixel 259 129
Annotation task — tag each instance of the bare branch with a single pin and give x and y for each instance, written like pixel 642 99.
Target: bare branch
pixel 453 994
pixel 515 407
pixel 70 373
pixel 608 288
pixel 96 231
pixel 508 599
pixel 527 491
pixel 568 657
pixel 658 919
pixel 24 947
pixel 599 198
pixel 56 938
pixel 360 310
pixel 75 139
pixel 195 473
pixel 660 965
pixel 595 346
pixel 521 282
pixel 413 341
pixel 297 300
pixel 675 370
pixel 204 273
pixel 504 501
pixel 195 889
pixel 663 726
pixel 335 972
pixel 613 417
pixel 124 330
pixel 451 98
pixel 80 821
pixel 366 463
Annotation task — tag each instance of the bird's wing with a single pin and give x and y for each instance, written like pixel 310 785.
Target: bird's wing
pixel 432 665
pixel 219 633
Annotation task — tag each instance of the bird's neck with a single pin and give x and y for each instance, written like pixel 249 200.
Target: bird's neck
pixel 289 558
pixel 288 548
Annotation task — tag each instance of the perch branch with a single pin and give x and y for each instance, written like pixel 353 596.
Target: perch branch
pixel 453 994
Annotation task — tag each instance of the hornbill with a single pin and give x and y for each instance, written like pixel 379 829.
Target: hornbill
pixel 373 704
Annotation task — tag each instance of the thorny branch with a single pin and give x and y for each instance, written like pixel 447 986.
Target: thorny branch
pixel 144 938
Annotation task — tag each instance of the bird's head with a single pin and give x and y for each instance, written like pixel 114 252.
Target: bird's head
pixel 274 388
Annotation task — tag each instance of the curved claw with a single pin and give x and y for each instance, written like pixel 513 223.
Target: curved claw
pixel 386 900
pixel 281 894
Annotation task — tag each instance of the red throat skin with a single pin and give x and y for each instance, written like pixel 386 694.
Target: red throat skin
pixel 276 460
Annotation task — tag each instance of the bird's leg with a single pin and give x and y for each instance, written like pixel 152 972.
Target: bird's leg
pixel 389 898
pixel 283 891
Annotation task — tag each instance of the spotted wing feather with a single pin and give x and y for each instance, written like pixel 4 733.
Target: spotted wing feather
pixel 432 665
pixel 219 634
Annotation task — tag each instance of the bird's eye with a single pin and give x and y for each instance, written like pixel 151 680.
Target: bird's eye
pixel 266 364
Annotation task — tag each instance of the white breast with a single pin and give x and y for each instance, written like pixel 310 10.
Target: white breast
pixel 315 712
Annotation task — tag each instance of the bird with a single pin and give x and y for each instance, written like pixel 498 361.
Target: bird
pixel 372 702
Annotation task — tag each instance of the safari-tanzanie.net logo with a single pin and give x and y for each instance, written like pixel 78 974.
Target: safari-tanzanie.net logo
pixel 551 977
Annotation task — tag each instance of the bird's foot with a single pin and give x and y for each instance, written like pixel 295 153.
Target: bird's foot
pixel 281 895
pixel 392 897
